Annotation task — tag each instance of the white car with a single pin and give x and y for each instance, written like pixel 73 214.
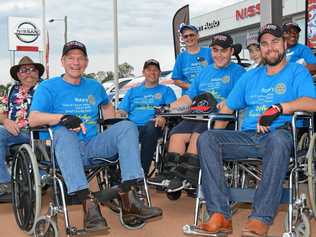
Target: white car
pixel 109 86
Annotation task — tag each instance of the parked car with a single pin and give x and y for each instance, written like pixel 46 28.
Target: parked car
pixel 109 86
pixel 165 79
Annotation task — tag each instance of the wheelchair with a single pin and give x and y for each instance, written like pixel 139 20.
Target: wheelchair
pixel 242 177
pixel 34 171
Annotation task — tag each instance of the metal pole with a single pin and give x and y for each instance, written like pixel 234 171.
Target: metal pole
pixel 44 29
pixel 115 35
pixel 66 29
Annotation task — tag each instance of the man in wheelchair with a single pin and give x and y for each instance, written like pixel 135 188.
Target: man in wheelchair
pixel 181 164
pixel 14 109
pixel 139 105
pixel 70 105
pixel 270 94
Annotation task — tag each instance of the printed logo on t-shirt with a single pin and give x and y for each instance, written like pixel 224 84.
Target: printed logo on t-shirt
pixel 280 88
pixel 91 99
pixel 202 61
pixel 225 79
pixel 157 96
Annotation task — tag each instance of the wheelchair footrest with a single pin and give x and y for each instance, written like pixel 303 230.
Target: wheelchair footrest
pixel 247 195
pixel 193 230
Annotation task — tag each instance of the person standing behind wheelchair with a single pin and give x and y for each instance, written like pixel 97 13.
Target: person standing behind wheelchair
pixel 14 109
pixel 70 104
pixel 190 62
pixel 270 94
pixel 295 51
pixel 138 105
pixel 218 79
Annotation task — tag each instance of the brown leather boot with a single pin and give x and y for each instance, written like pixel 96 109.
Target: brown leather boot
pixel 255 228
pixel 133 207
pixel 93 219
pixel 217 223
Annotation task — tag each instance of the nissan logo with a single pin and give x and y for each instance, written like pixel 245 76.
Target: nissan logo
pixel 27 32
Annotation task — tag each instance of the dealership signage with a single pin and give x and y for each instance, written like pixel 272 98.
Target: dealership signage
pixel 25 34
pixel 246 12
pixel 209 25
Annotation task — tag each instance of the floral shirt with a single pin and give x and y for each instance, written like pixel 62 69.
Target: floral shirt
pixel 16 104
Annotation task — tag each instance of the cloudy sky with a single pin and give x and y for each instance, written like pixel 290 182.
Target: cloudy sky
pixel 145 29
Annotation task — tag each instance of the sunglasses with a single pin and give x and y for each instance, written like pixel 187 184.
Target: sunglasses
pixel 188 35
pixel 27 69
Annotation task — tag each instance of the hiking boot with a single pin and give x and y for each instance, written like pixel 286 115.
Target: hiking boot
pixel 93 219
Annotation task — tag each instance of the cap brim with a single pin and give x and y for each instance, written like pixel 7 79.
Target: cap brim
pixel 14 70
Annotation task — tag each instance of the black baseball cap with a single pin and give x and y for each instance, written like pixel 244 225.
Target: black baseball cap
pixel 74 45
pixel 289 25
pixel 270 29
pixel 151 62
pixel 223 40
pixel 184 27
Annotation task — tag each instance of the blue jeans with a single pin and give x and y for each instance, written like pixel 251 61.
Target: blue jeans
pixel 148 137
pixel 6 140
pixel 72 154
pixel 274 148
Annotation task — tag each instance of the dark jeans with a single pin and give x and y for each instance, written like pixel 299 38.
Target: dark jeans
pixel 148 137
pixel 274 148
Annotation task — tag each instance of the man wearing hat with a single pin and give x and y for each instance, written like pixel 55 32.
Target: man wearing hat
pixel 70 104
pixel 14 109
pixel 138 105
pixel 297 52
pixel 217 79
pixel 270 94
pixel 190 62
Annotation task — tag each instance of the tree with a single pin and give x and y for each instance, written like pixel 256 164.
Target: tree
pixel 125 70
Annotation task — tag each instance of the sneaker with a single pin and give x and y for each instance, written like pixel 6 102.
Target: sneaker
pixel 176 184
pixel 93 219
pixel 5 188
pixel 160 179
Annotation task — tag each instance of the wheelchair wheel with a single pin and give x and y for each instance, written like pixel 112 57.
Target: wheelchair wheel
pixel 173 196
pixel 301 224
pixel 311 173
pixel 26 188
pixel 45 227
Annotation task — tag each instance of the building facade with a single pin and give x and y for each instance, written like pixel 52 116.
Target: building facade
pixel 243 19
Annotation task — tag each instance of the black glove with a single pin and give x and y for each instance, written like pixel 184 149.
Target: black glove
pixel 70 121
pixel 204 103
pixel 272 113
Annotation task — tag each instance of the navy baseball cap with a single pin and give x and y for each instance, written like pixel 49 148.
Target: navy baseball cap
pixel 190 27
pixel 151 62
pixel 289 25
pixel 223 40
pixel 270 29
pixel 74 45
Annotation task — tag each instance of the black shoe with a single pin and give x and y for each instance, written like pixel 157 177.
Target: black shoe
pixel 176 184
pixel 133 207
pixel 5 188
pixel 93 219
pixel 161 179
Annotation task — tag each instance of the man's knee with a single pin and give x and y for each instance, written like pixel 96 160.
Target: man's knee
pixel 280 138
pixel 126 126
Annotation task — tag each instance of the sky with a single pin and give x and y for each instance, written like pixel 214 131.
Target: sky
pixel 144 30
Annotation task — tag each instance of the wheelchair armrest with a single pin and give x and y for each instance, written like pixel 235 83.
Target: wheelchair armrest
pixel 39 128
pixel 110 121
pixel 303 114
pixel 222 117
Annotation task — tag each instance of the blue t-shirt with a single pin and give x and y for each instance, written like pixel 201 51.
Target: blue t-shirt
pixel 256 91
pixel 300 51
pixel 57 96
pixel 139 102
pixel 217 81
pixel 188 66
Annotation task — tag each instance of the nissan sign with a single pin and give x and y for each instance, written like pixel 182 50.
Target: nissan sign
pixel 27 32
